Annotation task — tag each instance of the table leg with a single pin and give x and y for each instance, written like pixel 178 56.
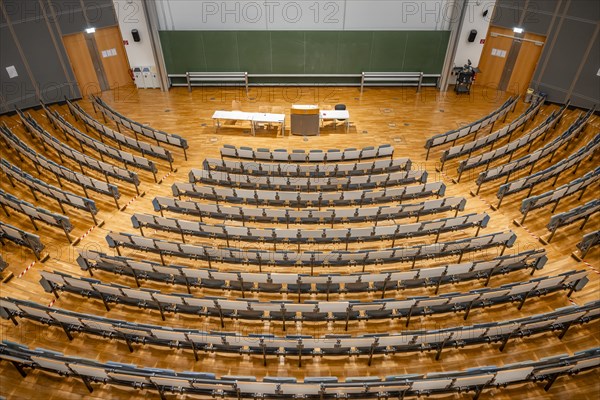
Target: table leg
pixel 252 128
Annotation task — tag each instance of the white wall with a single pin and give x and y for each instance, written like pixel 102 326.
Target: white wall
pixel 131 16
pixel 474 19
pixel 304 14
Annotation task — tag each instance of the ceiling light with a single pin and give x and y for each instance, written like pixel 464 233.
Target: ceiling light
pixel 517 30
pixel 90 30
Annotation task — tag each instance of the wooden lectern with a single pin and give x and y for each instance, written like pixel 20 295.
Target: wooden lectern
pixel 305 120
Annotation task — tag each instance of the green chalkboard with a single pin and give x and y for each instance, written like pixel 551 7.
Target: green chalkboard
pixel 304 52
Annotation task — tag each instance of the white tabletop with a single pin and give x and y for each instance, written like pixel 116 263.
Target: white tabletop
pixel 304 107
pixel 334 114
pixel 237 115
pixel 266 117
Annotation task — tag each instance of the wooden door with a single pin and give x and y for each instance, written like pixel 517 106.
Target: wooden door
pixel 493 57
pixel 81 63
pixel 526 63
pixel 111 52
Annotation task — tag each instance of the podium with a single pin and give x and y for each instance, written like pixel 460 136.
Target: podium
pixel 305 120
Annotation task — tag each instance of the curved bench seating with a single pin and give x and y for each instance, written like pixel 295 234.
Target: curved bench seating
pixel 310 258
pixel 310 216
pixel 35 213
pixel 541 131
pixel 299 236
pixel 200 383
pixel 555 171
pixel 464 131
pixel 489 140
pixel 282 155
pixel 289 183
pixel 299 283
pixel 117 154
pixel 59 171
pixel 306 199
pixel 531 159
pixel 3 264
pixel 407 341
pixel 22 238
pixel 320 170
pixel 145 148
pixel 583 212
pixel 589 240
pixel 136 127
pixel 81 159
pixel 312 311
pixel 61 196
pixel 556 195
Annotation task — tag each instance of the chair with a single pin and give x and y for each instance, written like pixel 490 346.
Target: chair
pixel 340 107
pixel 236 105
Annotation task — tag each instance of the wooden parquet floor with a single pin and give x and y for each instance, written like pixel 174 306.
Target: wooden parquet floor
pixel 398 116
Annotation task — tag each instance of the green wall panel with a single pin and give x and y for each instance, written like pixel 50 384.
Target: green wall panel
pixel 321 52
pixel 388 51
pixel 354 52
pixel 304 52
pixel 427 50
pixel 254 49
pixel 221 50
pixel 183 52
pixel 287 53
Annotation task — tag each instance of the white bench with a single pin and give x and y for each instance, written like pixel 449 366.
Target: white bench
pixel 241 77
pixel 395 78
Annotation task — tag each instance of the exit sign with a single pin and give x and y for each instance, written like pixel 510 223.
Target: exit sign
pixel 482 41
pixel 125 42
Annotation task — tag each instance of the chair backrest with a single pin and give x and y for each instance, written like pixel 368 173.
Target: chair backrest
pixel 340 106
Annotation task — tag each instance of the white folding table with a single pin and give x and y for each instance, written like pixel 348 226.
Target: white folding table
pixel 335 115
pixel 267 118
pixel 253 118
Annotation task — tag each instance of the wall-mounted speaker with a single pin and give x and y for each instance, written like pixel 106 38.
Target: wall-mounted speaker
pixel 472 35
pixel 136 35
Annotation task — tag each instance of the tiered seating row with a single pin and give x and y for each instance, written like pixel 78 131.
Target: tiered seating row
pixel 61 196
pixel 123 156
pixel 35 213
pixel 22 238
pixel 143 147
pixel 313 311
pixel 311 258
pixel 296 156
pixel 81 159
pixel 489 140
pixel 531 158
pixel 312 199
pixel 136 127
pixel 310 216
pixel 583 212
pixel 556 195
pixel 562 320
pixel 529 182
pixel 326 235
pixel 310 170
pixel 510 148
pixel 473 127
pixel 590 240
pixel 360 182
pixel 58 170
pixel 323 284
